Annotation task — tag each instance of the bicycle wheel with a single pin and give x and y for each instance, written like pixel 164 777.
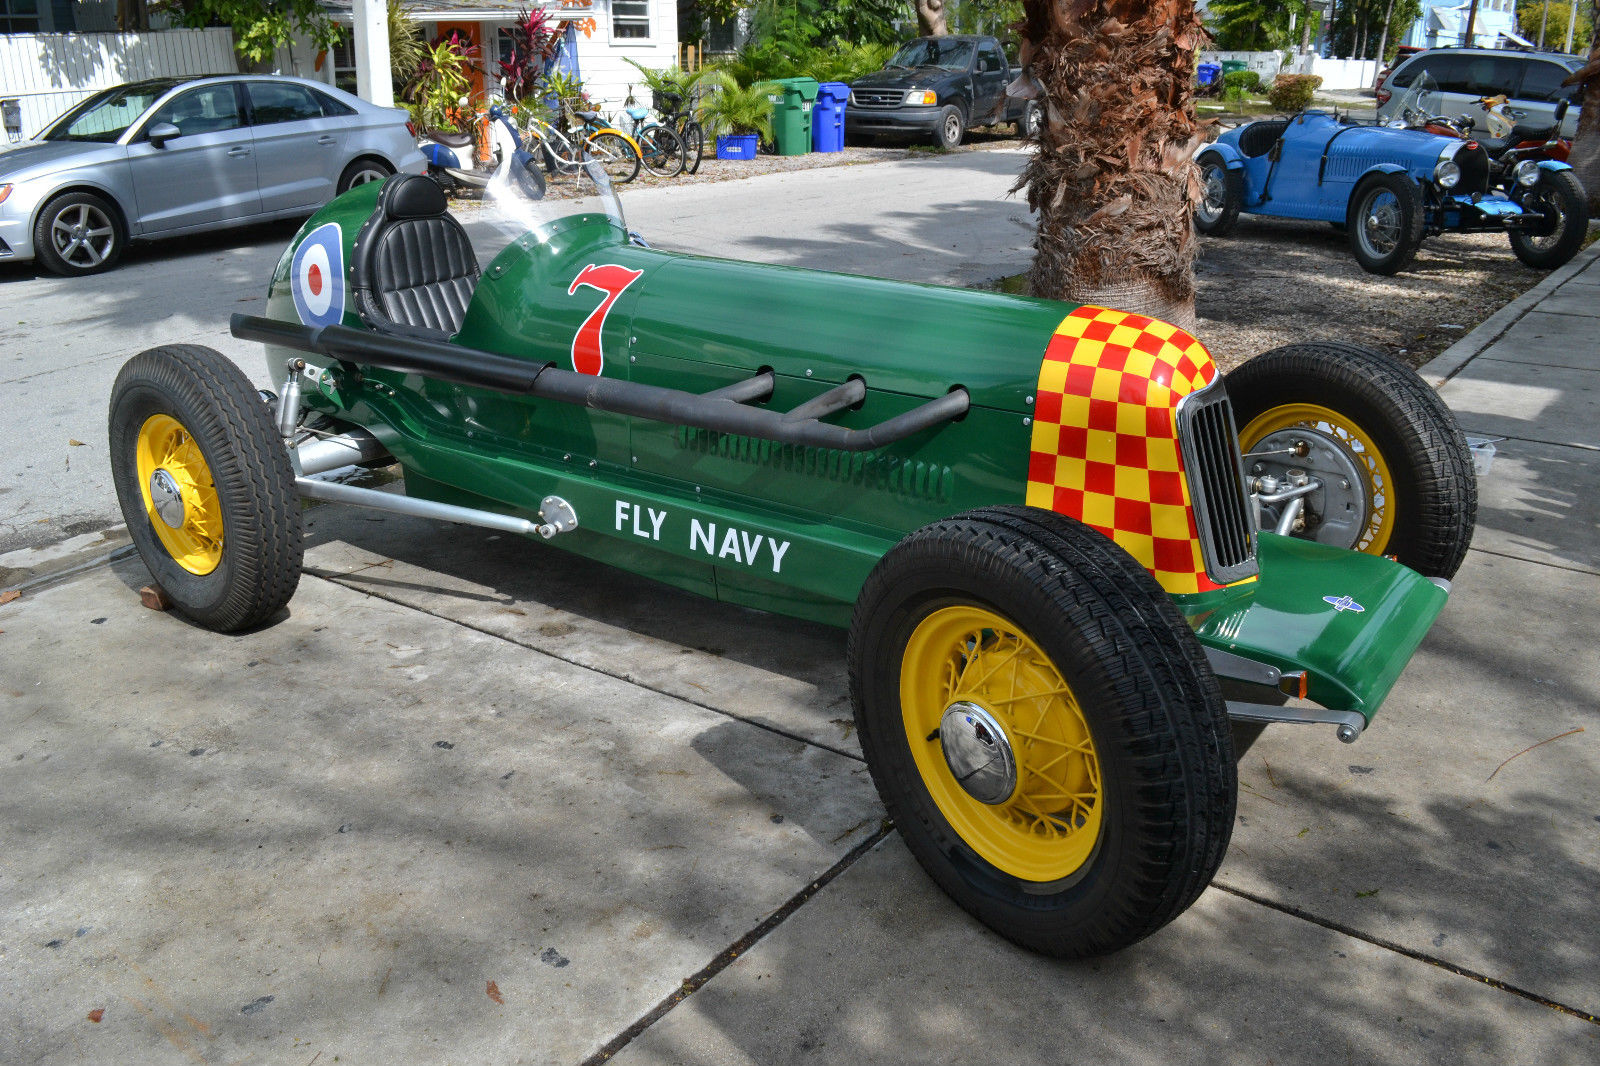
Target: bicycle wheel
pixel 560 156
pixel 661 152
pixel 694 146
pixel 615 154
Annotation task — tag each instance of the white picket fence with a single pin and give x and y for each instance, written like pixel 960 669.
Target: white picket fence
pixel 49 72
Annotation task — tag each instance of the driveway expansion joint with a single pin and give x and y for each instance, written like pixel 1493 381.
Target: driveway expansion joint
pixel 1410 953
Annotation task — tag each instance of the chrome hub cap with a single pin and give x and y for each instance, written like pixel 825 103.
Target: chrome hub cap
pixel 167 497
pixel 978 753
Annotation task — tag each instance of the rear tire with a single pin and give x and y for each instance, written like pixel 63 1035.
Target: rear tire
pixel 694 147
pixel 362 171
pixel 1404 443
pixel 616 156
pixel 205 486
pixel 1123 781
pixel 1385 222
pixel 661 152
pixel 1561 198
pixel 1031 122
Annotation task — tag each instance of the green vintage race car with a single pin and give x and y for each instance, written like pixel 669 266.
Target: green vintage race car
pixel 1051 541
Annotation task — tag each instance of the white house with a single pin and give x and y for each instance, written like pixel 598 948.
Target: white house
pixel 608 32
pixel 1445 23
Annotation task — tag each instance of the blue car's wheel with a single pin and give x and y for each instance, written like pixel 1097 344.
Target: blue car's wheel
pixel 1221 196
pixel 1385 223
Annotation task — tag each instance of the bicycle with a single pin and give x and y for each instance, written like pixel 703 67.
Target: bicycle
pixel 565 152
pixel 686 125
pixel 661 152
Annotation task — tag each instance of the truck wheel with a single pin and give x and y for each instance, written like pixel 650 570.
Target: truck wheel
pixel 1031 122
pixel 1043 727
pixel 1221 197
pixel 1560 198
pixel 205 486
pixel 952 127
pixel 1385 223
pixel 1396 470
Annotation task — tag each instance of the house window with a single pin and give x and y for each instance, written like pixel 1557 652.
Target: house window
pixel 22 16
pixel 630 19
pixel 344 65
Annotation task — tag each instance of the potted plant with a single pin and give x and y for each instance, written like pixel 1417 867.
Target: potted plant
pixel 740 116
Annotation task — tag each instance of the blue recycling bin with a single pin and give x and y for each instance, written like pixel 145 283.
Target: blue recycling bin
pixel 827 117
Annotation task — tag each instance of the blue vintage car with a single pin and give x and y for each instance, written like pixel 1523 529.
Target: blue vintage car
pixel 1388 187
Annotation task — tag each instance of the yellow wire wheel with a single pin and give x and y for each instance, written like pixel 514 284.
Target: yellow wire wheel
pixel 1046 827
pixel 180 495
pixel 1357 444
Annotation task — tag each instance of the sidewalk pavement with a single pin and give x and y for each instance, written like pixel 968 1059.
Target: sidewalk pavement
pixel 476 800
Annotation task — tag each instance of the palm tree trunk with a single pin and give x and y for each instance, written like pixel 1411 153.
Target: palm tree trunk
pixel 1585 158
pixel 930 18
pixel 1383 39
pixel 1113 180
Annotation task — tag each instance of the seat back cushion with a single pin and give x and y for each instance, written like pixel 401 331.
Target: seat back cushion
pixel 418 265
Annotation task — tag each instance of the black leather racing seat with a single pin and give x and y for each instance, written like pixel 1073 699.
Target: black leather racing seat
pixel 413 269
pixel 1259 137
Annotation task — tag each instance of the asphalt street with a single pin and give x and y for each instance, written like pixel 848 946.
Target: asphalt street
pixel 474 799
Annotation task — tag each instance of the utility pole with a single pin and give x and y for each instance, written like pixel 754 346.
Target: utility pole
pixel 1544 17
pixel 1572 20
pixel 1472 18
pixel 374 83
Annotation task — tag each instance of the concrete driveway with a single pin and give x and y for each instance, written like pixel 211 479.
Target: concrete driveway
pixel 474 800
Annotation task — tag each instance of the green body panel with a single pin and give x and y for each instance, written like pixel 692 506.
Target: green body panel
pixel 786 528
pixel 1352 657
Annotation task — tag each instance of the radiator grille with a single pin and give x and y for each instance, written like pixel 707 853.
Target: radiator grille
pixel 1211 459
pixel 877 97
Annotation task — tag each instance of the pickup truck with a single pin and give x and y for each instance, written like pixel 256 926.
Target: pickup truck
pixel 938 87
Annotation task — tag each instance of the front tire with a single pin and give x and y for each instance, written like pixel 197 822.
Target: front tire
pixel 78 233
pixel 1385 222
pixel 617 157
pixel 661 152
pixel 1122 788
pixel 1031 122
pixel 952 127
pixel 1560 198
pixel 205 486
pixel 1221 197
pixel 1366 419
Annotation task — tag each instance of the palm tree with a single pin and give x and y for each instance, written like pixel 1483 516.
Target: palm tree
pixel 1113 180
pixel 1585 158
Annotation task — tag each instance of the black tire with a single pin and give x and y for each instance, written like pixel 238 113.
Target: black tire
pixel 1413 463
pixel 617 157
pixel 1560 197
pixel 78 233
pixel 1221 197
pixel 1085 617
pixel 1385 222
pixel 1031 122
pixel 234 559
pixel 661 152
pixel 362 171
pixel 952 127
pixel 694 147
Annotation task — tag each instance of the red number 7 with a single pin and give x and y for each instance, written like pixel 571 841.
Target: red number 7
pixel 587 358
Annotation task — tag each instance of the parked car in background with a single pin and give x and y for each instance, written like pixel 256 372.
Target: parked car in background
pixel 939 87
pixel 171 156
pixel 1531 81
pixel 1387 187
pixel 1402 53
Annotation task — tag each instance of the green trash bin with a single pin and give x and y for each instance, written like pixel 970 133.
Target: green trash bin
pixel 792 101
pixel 1231 65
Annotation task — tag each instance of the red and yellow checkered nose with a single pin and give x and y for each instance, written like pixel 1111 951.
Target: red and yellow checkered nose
pixel 1105 437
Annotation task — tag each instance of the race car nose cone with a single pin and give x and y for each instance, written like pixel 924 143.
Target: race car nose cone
pixel 978 753
pixel 164 493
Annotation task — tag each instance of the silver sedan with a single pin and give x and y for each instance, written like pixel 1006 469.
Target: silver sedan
pixel 171 156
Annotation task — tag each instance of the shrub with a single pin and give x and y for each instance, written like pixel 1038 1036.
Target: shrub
pixel 1238 82
pixel 1292 92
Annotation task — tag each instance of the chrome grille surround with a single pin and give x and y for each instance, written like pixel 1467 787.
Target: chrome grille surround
pixel 1214 469
pixel 877 97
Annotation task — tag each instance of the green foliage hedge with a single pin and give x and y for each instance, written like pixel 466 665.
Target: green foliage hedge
pixel 1241 81
pixel 1292 92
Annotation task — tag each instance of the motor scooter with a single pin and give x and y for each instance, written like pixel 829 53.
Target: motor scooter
pixel 1514 149
pixel 449 155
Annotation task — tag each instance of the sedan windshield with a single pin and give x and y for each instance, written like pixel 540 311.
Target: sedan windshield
pixel 106 115
pixel 934 52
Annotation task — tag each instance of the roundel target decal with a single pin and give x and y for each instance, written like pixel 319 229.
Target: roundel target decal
pixel 316 276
